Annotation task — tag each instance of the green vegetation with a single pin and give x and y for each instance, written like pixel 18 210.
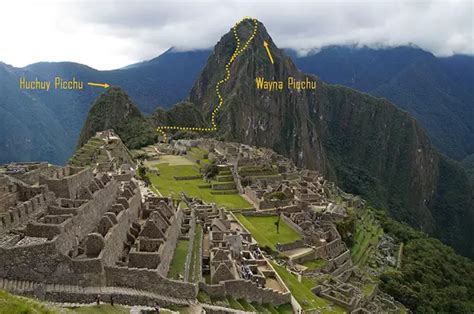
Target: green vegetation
pixel 179 260
pixel 264 231
pixel 114 110
pixel 285 308
pixel 432 277
pixel 14 304
pixel 203 297
pixel 195 267
pixel 315 264
pixel 166 184
pixel 247 306
pixel 234 303
pixel 303 294
pixel 103 309
pixel 199 154
pixel 365 239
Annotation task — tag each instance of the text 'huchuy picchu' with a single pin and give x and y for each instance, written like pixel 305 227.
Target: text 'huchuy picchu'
pixel 46 85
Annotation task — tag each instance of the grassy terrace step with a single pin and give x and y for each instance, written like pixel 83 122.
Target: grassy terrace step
pixel 223 185
pixel 307 299
pixel 224 192
pixel 220 301
pixel 246 306
pixel 179 260
pixel 225 178
pixel 234 303
pixel 284 308
pixel 260 308
pixel 366 237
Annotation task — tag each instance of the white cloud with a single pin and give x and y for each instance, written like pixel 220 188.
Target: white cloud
pixel 111 34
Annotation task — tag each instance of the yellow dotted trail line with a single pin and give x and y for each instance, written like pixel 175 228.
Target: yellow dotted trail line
pixel 237 52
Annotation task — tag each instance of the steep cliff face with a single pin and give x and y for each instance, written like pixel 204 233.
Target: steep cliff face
pixel 366 144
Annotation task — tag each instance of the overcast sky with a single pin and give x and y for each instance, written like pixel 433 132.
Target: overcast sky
pixel 112 34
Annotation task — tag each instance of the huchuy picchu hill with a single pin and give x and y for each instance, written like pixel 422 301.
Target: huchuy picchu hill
pixel 114 110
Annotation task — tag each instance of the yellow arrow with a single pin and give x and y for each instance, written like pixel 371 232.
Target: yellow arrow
pixel 265 44
pixel 105 85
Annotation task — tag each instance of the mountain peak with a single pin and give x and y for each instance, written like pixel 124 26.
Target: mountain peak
pixel 113 110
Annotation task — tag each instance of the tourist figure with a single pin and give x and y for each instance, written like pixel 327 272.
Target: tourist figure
pixel 112 300
pixel 157 307
pixel 97 299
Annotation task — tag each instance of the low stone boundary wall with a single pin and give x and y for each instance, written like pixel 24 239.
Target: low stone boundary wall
pixel 292 225
pixel 77 294
pixel 246 289
pixel 289 246
pixel 149 280
pixel 180 178
pixel 265 213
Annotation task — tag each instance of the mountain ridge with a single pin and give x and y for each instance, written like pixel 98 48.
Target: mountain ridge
pixel 366 144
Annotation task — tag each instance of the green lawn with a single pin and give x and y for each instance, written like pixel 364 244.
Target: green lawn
pixel 195 268
pixel 306 298
pixel 13 304
pixel 264 231
pixel 166 184
pixel 315 264
pixel 179 259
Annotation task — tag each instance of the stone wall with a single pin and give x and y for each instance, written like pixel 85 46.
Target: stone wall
pixel 246 289
pixel 167 249
pixel 292 225
pixel 260 213
pixel 88 216
pixel 192 232
pixel 290 246
pixel 23 212
pixel 42 263
pixel 68 181
pixel 150 280
pixel 32 176
pixel 117 235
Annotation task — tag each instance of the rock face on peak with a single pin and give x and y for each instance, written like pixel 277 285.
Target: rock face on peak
pixel 365 144
pixel 114 110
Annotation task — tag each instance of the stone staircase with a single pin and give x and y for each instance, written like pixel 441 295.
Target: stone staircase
pixel 77 294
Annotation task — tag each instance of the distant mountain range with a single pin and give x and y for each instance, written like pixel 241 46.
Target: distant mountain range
pixel 438 92
pixel 40 125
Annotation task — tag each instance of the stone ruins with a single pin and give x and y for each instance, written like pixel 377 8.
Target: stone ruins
pixel 70 233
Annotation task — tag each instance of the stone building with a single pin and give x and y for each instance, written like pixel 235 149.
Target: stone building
pixel 90 230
